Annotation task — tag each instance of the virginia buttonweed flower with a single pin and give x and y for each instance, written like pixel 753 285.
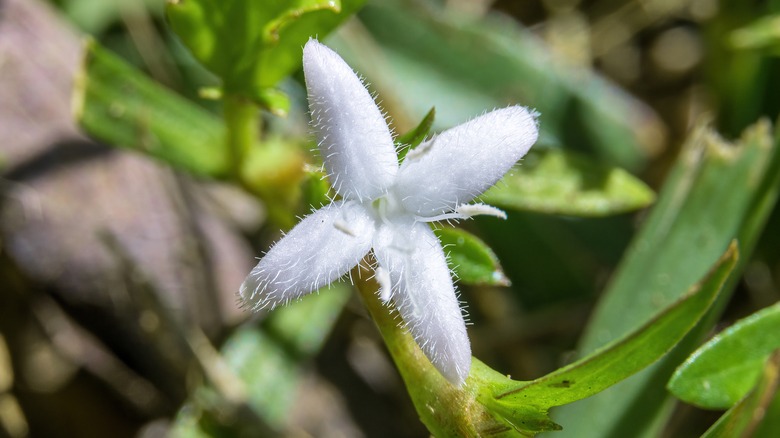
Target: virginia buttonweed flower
pixel 385 208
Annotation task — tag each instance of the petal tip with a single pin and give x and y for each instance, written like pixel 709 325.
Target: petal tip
pixel 458 373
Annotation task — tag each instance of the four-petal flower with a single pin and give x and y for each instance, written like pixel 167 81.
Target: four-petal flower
pixel 384 207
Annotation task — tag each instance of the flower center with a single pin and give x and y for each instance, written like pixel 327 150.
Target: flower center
pixel 388 207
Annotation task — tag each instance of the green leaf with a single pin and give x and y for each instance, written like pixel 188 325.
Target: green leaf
pixel 562 182
pixel 763 403
pixel 406 142
pixel 274 100
pixel 250 44
pixel 491 404
pixel 724 369
pixel 619 359
pixel 715 192
pixel 472 261
pixel 316 188
pixel 117 104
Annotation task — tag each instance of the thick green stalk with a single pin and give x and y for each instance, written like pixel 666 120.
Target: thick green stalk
pixel 243 139
pixel 243 130
pixel 444 409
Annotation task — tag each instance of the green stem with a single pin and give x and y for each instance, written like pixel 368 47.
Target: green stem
pixel 402 346
pixel 243 130
pixel 445 409
pixel 243 134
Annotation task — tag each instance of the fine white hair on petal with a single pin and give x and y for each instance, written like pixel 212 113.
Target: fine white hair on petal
pixel 424 295
pixel 461 163
pixel 319 250
pixel 354 140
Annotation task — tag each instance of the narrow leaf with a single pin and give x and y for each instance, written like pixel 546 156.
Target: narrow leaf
pixel 758 414
pixel 472 261
pixel 723 370
pixel 118 104
pixel 623 357
pixel 406 142
pixel 715 192
pixel 562 182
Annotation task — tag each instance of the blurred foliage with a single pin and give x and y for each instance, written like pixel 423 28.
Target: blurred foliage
pixel 624 90
pixel 492 62
pixel 118 104
pixel 264 371
pixel 716 192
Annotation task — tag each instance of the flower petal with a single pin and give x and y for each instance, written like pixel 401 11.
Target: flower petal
pixel 424 295
pixel 354 139
pixel 320 249
pixel 459 164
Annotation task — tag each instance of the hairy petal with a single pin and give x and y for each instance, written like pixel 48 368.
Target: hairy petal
pixel 320 249
pixel 459 164
pixel 354 139
pixel 424 295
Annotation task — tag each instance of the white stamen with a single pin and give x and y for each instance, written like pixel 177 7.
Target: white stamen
pixel 343 227
pixel 466 211
pixel 469 210
pixel 385 284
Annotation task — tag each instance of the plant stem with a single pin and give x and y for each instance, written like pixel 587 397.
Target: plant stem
pixel 400 343
pixel 243 134
pixel 445 409
pixel 243 130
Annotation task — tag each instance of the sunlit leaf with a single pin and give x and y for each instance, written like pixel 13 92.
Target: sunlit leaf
pixel 561 182
pixel 472 261
pixel 251 45
pixel 723 370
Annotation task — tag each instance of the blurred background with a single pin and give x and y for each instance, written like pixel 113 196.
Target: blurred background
pixel 118 274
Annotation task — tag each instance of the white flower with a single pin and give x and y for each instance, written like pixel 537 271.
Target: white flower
pixel 385 207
